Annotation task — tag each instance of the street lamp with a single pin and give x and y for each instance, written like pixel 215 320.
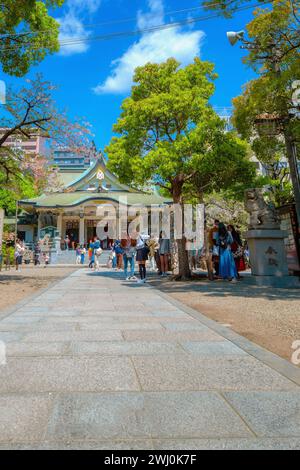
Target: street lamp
pixel 234 36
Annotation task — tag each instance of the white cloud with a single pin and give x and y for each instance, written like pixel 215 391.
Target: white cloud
pixel 90 6
pixel 155 46
pixel 72 28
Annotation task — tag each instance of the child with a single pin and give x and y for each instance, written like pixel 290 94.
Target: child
pixel 82 254
pixel 153 246
pixel 112 260
pixel 78 255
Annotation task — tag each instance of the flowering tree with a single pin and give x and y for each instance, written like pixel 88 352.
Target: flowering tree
pixel 31 112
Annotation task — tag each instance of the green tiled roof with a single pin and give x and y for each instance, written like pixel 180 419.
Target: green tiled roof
pixel 73 199
pixel 67 177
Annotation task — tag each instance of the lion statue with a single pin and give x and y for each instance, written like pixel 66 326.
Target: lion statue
pixel 262 214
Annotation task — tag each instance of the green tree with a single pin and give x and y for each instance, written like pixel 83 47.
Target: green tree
pixel 170 136
pixel 268 111
pixel 227 7
pixel 19 188
pixel 27 33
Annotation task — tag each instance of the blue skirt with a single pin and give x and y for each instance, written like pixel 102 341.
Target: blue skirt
pixel 227 267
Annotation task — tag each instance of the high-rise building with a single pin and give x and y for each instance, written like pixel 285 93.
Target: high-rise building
pixel 35 144
pixel 65 158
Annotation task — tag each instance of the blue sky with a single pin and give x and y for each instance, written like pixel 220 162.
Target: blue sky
pixel 95 76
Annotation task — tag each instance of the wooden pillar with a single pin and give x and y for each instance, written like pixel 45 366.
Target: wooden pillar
pixel 39 227
pixel 59 224
pixel 81 231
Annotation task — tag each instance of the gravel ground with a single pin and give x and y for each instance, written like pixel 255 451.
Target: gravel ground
pixel 269 317
pixel 15 286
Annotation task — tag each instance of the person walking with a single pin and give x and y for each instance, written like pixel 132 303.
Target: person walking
pixel 227 268
pixel 142 252
pixel 119 254
pixel 78 255
pixel 164 253
pixel 82 254
pixel 212 239
pixel 129 250
pixel 37 254
pixel 19 252
pixel 67 242
pixel 91 255
pixel 97 253
pixel 112 260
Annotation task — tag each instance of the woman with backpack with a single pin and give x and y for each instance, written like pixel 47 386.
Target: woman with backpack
pixel 227 268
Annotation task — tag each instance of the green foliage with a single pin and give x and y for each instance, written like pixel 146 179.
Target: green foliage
pixel 226 7
pixel 170 136
pixel 17 189
pixel 266 114
pixel 40 33
pixel 223 207
pixel 7 250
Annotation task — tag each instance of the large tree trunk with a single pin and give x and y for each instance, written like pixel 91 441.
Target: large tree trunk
pixel 293 164
pixel 183 260
pixel 184 271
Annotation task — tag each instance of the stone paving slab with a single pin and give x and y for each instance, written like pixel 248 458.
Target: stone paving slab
pixel 95 362
pixel 162 444
pixel 24 417
pixel 210 349
pixel 193 373
pixel 131 415
pixel 227 444
pixel 67 374
pixel 62 336
pixel 21 349
pixel 132 444
pixel 270 414
pixel 164 335
pixel 9 336
pixel 124 348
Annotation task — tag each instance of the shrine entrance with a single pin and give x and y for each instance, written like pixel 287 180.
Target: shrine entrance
pixel 91 232
pixel 72 231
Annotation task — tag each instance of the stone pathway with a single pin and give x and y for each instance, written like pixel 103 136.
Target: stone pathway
pixel 98 363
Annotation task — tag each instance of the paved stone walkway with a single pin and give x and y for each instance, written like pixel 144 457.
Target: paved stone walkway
pixel 98 363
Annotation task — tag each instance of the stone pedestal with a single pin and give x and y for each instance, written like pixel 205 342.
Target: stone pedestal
pixel 268 258
pixel 267 253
